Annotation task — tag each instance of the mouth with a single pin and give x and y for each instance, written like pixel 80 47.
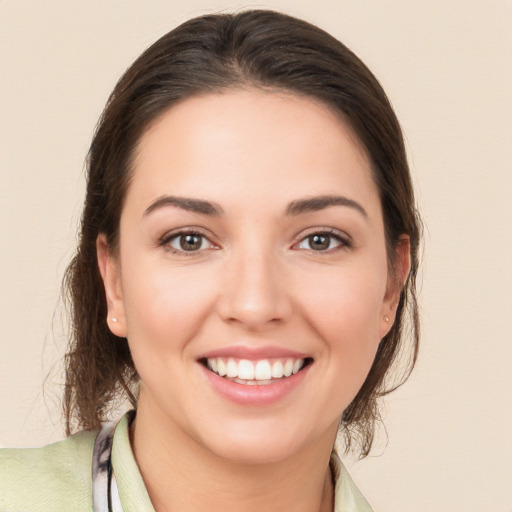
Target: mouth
pixel 260 372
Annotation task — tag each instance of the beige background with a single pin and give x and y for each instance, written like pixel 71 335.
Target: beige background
pixel 447 67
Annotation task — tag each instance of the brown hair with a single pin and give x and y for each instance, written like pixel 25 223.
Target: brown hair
pixel 214 53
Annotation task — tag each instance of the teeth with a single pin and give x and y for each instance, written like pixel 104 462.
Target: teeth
pixel 277 370
pixel 245 370
pixel 249 372
pixel 263 370
pixel 297 365
pixel 221 365
pixel 232 368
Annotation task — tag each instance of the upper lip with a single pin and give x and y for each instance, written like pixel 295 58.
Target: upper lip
pixel 254 353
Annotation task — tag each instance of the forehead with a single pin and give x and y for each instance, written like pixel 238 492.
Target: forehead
pixel 252 145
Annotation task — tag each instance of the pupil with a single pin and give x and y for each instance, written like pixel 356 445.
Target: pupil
pixel 190 242
pixel 320 242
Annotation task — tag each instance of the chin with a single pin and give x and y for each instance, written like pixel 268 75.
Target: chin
pixel 255 442
pixel 256 451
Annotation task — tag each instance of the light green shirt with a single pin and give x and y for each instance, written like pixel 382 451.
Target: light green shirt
pixel 57 477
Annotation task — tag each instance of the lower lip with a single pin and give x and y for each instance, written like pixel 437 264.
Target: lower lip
pixel 256 395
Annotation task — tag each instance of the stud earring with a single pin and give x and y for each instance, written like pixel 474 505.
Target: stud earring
pixel 114 319
pixel 386 319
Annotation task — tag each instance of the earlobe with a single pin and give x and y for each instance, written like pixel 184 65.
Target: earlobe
pixel 111 274
pixel 396 282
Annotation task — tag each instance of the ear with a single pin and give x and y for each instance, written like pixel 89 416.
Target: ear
pixel 110 271
pixel 396 282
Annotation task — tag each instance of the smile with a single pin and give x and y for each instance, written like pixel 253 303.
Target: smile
pixel 255 373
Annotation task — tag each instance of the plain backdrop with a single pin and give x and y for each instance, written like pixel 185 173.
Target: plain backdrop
pixel 447 68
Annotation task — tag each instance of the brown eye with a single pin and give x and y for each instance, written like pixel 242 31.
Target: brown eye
pixel 189 242
pixel 321 242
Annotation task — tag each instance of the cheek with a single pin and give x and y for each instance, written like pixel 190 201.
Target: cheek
pixel 165 307
pixel 345 308
pixel 346 320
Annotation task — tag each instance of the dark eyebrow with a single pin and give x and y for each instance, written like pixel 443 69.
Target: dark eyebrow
pixel 314 204
pixel 186 203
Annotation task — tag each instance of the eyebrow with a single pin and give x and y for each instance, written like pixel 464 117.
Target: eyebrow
pixel 186 203
pixel 297 207
pixel 317 203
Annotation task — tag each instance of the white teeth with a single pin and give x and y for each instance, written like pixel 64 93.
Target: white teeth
pixel 245 370
pixel 221 367
pixel 247 382
pixel 259 372
pixel 277 370
pixel 253 382
pixel 263 370
pixel 297 365
pixel 232 368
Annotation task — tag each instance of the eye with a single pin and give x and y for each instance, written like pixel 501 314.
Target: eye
pixel 187 242
pixel 321 242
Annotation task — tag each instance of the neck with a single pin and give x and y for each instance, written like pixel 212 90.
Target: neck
pixel 181 475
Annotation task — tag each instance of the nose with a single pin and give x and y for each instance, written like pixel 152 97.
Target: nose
pixel 254 292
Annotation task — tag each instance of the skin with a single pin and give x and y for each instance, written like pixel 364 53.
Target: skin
pixel 255 281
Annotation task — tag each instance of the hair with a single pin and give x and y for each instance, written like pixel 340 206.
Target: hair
pixel 215 54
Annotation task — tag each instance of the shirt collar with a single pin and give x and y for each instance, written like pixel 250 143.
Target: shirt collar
pixel 134 495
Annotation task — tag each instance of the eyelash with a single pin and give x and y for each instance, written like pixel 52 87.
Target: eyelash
pixel 344 242
pixel 166 240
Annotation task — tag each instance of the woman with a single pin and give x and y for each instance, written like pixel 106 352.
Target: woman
pixel 247 259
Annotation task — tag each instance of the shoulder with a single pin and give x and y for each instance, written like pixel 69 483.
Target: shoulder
pixel 53 478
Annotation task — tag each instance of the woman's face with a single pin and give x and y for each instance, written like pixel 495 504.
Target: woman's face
pixel 252 243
